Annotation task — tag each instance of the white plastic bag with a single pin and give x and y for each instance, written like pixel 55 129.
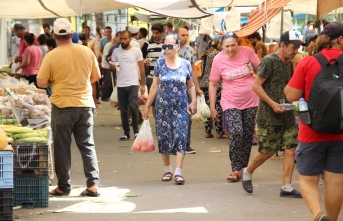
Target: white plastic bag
pixel 198 118
pixel 114 97
pixel 142 98
pixel 204 109
pixel 144 141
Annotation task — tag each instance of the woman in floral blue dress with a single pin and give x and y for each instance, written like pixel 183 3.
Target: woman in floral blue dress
pixel 172 80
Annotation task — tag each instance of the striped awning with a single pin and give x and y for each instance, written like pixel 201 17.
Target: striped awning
pixel 261 15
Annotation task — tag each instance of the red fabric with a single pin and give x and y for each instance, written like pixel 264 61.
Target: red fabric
pixel 22 45
pixel 304 75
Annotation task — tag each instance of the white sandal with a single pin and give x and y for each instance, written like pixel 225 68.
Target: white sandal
pixel 179 180
pixel 167 176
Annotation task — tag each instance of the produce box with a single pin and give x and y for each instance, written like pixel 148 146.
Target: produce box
pixel 31 159
pixel 6 204
pixel 31 192
pixel 6 169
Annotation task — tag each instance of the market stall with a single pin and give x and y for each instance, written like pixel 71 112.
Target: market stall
pixel 25 131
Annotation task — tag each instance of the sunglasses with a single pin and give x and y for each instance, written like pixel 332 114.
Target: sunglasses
pixel 164 47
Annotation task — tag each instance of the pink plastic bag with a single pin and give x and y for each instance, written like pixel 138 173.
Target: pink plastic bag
pixel 144 141
pixel 142 98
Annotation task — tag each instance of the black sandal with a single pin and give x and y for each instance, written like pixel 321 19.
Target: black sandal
pixel 87 192
pixel 54 192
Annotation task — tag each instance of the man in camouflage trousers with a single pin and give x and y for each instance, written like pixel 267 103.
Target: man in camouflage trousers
pixel 277 129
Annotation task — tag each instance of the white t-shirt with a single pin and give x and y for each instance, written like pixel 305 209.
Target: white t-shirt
pixel 129 73
pixel 135 43
pixel 105 51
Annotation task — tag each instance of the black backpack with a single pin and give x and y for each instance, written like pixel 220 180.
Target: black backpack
pixel 325 102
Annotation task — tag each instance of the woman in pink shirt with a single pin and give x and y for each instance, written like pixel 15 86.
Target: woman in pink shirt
pixel 234 66
pixel 31 59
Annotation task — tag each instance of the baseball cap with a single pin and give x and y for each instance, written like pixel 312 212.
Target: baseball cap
pixel 292 37
pixel 333 30
pixel 18 26
pixel 133 29
pixel 62 27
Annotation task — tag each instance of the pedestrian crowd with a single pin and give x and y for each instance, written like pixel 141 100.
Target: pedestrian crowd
pixel 245 87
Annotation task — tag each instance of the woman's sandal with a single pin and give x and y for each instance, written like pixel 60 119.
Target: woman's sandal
pixel 234 177
pixel 54 192
pixel 167 176
pixel 87 192
pixel 223 136
pixel 179 180
pixel 208 135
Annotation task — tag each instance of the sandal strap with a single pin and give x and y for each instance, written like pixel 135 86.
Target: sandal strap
pixel 178 178
pixel 167 176
pixel 237 175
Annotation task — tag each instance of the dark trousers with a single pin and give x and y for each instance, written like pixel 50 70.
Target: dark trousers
pixel 208 123
pixel 64 123
pixel 31 79
pixel 128 98
pixel 241 124
pixel 106 88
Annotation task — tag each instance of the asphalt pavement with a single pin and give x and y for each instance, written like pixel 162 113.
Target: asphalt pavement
pixel 131 186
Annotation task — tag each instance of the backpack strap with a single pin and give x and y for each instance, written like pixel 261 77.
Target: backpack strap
pixel 340 64
pixel 321 59
pixel 340 59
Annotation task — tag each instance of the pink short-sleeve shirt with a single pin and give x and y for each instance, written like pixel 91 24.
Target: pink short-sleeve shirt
pixel 237 79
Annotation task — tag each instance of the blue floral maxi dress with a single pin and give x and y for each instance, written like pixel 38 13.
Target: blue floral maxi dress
pixel 171 118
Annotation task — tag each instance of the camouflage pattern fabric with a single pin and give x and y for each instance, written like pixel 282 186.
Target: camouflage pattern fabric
pixel 273 138
pixel 276 74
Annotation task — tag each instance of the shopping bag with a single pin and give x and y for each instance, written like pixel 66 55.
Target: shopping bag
pixel 144 141
pixel 204 109
pixel 114 97
pixel 142 98
pixel 198 118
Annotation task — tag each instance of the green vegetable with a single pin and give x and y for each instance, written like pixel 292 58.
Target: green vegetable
pixel 33 139
pixel 10 140
pixel 7 69
pixel 30 134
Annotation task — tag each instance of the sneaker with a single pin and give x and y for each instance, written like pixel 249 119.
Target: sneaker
pixel 247 184
pixel 189 150
pixel 322 217
pixel 136 134
pixel 124 137
pixel 292 194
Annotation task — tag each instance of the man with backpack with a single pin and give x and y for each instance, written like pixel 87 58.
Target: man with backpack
pixel 318 79
pixel 276 127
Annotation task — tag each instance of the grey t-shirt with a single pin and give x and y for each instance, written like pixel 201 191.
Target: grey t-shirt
pixel 200 45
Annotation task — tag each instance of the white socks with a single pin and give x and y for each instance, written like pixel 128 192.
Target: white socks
pixel 168 169
pixel 246 176
pixel 287 188
pixel 178 171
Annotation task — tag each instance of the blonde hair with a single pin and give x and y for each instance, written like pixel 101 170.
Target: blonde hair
pixel 323 42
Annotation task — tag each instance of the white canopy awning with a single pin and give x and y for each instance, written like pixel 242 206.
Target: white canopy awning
pixel 63 8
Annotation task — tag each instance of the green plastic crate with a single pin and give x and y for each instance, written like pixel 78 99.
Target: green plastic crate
pixel 31 192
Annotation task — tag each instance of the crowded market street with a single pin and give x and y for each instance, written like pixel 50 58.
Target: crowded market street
pixel 131 186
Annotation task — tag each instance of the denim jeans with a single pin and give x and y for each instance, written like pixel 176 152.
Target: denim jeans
pixel 128 98
pixel 64 123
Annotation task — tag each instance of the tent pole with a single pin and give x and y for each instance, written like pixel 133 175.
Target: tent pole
pixel 281 29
